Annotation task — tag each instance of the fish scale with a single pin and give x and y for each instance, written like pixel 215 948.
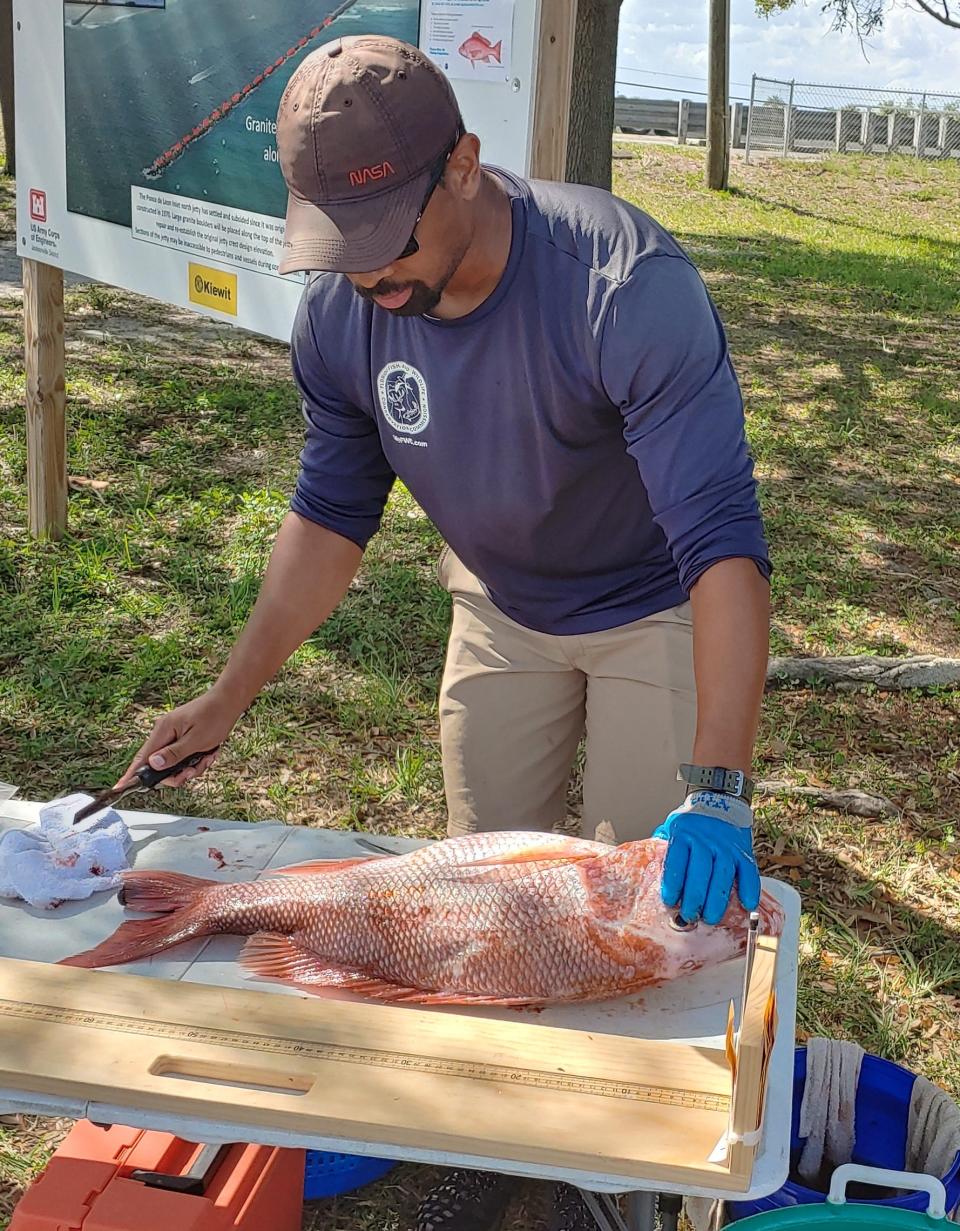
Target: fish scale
pixel 504 918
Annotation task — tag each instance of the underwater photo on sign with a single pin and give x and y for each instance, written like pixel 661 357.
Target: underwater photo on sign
pixel 180 98
pixel 132 4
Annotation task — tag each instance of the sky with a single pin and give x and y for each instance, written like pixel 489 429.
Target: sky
pixel 657 38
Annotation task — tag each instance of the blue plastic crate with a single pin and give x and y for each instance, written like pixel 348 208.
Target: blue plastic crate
pixel 329 1175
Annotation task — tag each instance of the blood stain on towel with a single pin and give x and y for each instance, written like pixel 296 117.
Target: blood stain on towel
pixel 218 856
pixel 69 861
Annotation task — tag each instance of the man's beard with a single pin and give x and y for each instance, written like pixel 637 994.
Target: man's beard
pixel 423 299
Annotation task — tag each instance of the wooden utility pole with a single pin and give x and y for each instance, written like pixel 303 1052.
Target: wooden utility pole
pixel 718 100
pixel 46 399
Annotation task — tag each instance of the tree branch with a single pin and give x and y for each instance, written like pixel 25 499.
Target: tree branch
pixel 945 19
pixel 858 803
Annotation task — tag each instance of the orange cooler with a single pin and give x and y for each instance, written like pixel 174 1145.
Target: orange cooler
pixel 130 1179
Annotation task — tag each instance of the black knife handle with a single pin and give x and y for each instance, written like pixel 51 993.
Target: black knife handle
pixel 152 777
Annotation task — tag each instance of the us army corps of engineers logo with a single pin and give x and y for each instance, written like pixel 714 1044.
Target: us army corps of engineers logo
pixel 403 397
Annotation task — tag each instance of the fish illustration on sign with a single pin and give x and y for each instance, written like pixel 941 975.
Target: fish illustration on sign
pixel 477 48
pixel 486 919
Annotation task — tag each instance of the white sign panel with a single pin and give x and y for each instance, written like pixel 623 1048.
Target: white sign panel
pixel 146 135
pixel 471 39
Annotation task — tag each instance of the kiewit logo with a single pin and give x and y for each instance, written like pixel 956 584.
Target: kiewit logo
pixel 379 171
pixel 403 398
pixel 38 205
pixel 203 286
pixel 213 288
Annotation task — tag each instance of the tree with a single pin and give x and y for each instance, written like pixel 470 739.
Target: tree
pixel 864 17
pixel 589 145
pixel 6 82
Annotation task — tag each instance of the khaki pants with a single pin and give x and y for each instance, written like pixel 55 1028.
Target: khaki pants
pixel 514 704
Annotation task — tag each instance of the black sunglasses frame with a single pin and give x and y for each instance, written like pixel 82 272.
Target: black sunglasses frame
pixel 412 246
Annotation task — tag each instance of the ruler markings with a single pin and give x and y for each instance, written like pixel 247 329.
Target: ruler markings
pixel 608 1087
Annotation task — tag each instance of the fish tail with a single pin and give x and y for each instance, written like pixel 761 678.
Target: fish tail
pixel 496 49
pixel 159 893
pixel 185 916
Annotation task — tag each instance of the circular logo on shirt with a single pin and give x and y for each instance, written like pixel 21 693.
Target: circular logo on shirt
pixel 403 397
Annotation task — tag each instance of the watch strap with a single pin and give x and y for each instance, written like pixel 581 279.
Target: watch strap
pixel 716 778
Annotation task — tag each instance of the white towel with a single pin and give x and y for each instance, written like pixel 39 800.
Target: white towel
pixel 705 1213
pixel 933 1132
pixel 55 861
pixel 828 1109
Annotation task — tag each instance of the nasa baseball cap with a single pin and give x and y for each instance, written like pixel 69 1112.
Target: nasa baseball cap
pixel 361 127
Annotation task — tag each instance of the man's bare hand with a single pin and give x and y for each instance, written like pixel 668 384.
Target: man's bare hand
pixel 200 724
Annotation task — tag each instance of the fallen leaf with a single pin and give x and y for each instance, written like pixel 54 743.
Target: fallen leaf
pixel 788 861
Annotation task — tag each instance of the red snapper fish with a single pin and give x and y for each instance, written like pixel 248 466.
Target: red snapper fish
pixel 488 919
pixel 476 47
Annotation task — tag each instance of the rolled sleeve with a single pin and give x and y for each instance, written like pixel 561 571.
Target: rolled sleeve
pixel 344 478
pixel 665 364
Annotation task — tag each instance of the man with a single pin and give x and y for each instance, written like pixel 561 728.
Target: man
pixel 543 368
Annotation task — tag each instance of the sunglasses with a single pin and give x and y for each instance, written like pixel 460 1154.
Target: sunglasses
pixel 436 176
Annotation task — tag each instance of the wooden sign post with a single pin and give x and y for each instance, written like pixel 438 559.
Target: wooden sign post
pixel 46 400
pixel 551 117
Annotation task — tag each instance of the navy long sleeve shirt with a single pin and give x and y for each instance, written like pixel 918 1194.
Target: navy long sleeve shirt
pixel 578 439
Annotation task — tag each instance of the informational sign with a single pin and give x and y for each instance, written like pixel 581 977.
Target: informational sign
pixel 146 134
pixel 471 38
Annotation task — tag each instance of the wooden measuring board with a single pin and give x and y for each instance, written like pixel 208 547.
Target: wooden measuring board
pixel 386 1075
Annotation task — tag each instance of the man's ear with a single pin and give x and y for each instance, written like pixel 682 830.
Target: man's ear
pixel 462 176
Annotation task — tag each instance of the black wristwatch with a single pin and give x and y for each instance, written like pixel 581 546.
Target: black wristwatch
pixel 716 778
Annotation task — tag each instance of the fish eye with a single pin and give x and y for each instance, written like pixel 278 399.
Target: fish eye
pixel 679 924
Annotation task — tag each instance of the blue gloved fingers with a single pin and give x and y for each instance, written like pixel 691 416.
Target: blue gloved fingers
pixel 721 887
pixel 748 882
pixel 674 870
pixel 697 882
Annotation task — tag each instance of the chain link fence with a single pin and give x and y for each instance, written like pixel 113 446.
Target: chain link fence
pixel 793 117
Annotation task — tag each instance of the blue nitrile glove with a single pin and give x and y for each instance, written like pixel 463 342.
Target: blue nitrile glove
pixel 710 840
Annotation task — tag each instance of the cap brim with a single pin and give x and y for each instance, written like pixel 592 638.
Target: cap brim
pixel 353 237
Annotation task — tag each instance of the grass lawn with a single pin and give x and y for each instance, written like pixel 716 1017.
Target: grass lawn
pixel 839 283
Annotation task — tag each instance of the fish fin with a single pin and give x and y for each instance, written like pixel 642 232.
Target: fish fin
pixel 178 898
pixel 317 867
pixel 140 938
pixel 496 49
pixel 395 993
pixel 160 892
pixel 274 956
pixel 411 995
pixel 576 851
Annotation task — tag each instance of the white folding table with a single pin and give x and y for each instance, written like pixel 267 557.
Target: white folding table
pixel 693 1009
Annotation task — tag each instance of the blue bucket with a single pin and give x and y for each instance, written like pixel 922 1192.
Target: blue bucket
pixel 330 1175
pixel 880 1139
